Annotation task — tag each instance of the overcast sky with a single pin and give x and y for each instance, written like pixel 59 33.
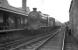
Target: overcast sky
pixel 59 9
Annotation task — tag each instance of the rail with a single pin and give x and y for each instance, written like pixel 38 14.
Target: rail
pixel 63 41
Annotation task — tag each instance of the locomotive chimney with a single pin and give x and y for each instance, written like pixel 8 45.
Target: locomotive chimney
pixel 24 4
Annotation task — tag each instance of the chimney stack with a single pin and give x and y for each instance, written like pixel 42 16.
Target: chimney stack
pixel 24 4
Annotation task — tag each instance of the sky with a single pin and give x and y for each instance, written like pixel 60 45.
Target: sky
pixel 59 9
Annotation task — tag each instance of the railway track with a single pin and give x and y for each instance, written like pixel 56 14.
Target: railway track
pixel 17 42
pixel 34 43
